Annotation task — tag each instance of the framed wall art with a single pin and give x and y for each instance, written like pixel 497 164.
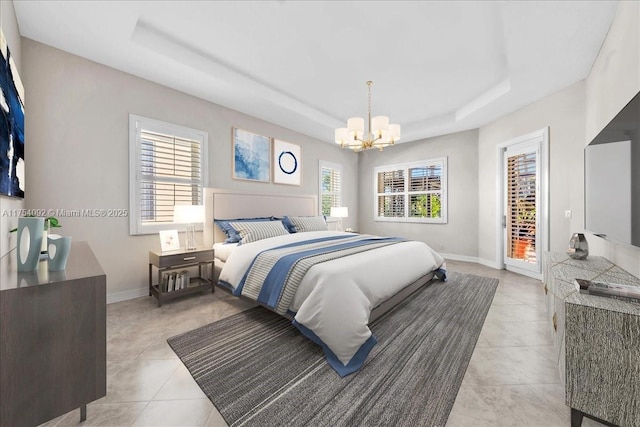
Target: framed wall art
pixel 251 156
pixel 12 168
pixel 169 240
pixel 287 163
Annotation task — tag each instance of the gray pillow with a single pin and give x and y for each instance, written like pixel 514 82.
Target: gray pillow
pixel 254 231
pixel 308 223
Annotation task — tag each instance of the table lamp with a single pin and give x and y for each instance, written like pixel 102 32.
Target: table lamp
pixel 190 215
pixel 339 212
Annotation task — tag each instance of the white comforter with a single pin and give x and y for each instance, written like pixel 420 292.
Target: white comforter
pixel 335 298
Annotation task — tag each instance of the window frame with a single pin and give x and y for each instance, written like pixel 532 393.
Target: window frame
pixel 136 124
pixel 437 161
pixel 322 164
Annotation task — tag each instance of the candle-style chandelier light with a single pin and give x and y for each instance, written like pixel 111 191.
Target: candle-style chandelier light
pixel 379 134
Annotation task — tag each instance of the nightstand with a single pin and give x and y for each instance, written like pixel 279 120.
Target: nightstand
pixel 172 283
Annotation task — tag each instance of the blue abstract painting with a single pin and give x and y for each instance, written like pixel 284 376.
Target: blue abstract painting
pixel 11 125
pixel 251 156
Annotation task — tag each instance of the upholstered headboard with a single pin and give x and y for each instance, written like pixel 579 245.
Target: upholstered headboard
pixel 228 204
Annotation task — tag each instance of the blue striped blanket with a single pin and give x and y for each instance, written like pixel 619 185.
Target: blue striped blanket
pixel 275 274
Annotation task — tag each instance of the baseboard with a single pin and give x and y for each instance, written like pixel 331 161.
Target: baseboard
pixel 474 259
pixel 491 263
pixel 127 295
pixel 455 257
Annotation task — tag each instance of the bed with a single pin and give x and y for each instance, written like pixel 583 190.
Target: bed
pixel 332 284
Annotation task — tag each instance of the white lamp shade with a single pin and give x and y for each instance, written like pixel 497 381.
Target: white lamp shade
pixel 355 124
pixel 341 135
pixel 394 132
pixel 188 214
pixel 339 212
pixel 379 124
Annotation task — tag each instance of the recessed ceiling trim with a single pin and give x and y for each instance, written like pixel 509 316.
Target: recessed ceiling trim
pixel 484 99
pixel 167 45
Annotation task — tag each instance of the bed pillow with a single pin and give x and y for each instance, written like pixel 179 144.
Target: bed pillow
pixel 224 250
pixel 232 234
pixel 253 231
pixel 288 224
pixel 308 223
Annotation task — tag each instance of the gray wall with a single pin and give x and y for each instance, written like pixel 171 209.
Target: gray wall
pixel 8 204
pixel 77 129
pixel 575 115
pixel 563 113
pixel 459 237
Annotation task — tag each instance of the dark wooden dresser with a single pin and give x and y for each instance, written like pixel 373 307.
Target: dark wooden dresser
pixel 52 338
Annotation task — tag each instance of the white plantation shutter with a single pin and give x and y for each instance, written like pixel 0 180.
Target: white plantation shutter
pixel 168 167
pixel 412 192
pixel 330 186
pixel 521 206
pixel 391 204
pixel 425 191
pixel 170 174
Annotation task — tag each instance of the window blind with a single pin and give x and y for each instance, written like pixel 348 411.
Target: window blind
pixel 167 166
pixel 412 191
pixel 170 174
pixel 391 205
pixel 521 206
pixel 330 187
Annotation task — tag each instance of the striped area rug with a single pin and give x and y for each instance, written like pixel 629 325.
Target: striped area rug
pixel 258 370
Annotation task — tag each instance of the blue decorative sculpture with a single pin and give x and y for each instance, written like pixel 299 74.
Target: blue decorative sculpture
pixel 29 242
pixel 58 251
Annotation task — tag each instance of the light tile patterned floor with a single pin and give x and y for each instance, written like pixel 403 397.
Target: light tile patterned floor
pixel 511 379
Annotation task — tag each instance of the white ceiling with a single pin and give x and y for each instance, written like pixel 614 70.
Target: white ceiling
pixel 438 66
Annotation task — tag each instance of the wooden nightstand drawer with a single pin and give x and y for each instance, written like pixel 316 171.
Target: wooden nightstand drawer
pixel 173 284
pixel 161 260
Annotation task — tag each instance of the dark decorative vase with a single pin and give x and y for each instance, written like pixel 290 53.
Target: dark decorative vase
pixel 578 246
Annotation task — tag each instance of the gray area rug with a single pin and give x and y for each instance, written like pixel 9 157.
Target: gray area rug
pixel 258 370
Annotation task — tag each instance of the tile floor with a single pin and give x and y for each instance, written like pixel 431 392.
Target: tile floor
pixel 511 379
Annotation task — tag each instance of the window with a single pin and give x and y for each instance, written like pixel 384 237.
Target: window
pixel 167 166
pixel 412 192
pixel 330 186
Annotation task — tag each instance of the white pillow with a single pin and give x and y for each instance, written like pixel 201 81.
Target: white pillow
pixel 308 223
pixel 254 231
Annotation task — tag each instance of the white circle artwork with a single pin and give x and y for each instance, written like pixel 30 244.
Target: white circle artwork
pixel 287 166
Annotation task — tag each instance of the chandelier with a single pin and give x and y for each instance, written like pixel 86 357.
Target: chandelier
pixel 379 132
